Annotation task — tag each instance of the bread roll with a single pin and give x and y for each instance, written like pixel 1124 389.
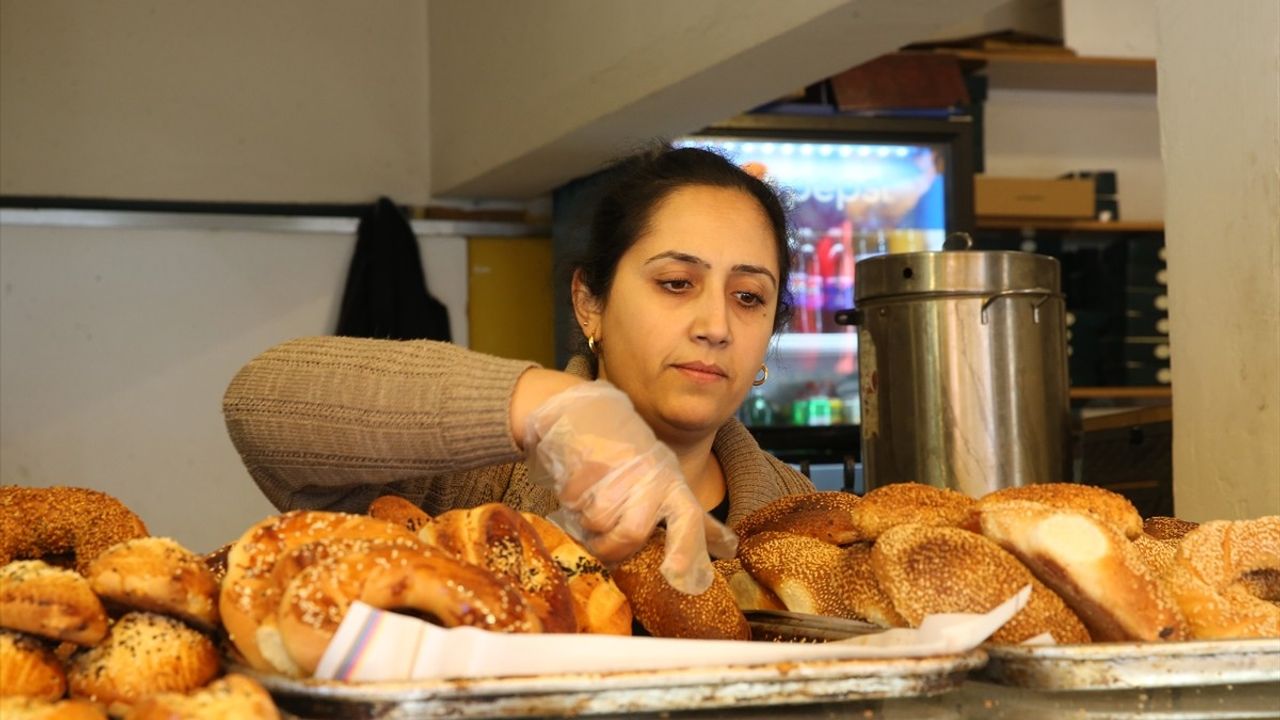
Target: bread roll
pixel 901 503
pixel 666 612
pixel 270 642
pixel 827 516
pixel 234 697
pixel 29 669
pixel 54 603
pixel 1109 507
pixel 157 574
pixel 598 605
pixel 1217 576
pixel 444 590
pixel 249 593
pixel 144 654
pixel 749 594
pixel 1167 528
pixel 927 570
pixel 39 522
pixel 25 708
pixel 807 574
pixel 1156 554
pixel 399 511
pixel 868 600
pixel 496 537
pixel 1090 564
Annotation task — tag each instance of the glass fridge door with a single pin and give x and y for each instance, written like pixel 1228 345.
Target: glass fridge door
pixel 850 199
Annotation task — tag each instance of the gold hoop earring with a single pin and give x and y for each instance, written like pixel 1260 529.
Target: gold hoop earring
pixel 761 380
pixel 592 345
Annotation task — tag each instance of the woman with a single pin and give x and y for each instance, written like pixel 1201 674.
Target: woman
pixel 682 287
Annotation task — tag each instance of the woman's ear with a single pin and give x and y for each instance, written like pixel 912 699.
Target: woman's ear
pixel 586 307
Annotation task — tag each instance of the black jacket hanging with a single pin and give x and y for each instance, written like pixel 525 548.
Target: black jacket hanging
pixel 386 294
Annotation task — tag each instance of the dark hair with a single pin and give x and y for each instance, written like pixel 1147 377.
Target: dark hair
pixel 642 181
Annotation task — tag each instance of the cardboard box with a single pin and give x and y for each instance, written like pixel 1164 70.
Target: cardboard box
pixel 1032 198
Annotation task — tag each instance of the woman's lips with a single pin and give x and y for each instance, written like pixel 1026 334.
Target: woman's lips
pixel 701 372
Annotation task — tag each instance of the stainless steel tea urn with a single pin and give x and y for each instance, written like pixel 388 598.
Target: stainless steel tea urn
pixel 963 366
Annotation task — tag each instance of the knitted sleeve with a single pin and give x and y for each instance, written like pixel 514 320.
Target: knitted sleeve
pixel 333 422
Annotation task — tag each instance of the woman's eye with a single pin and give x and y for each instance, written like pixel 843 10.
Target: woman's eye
pixel 749 299
pixel 675 285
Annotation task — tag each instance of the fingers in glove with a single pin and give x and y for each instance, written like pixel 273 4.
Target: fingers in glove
pixel 685 563
pixel 636 521
pixel 721 541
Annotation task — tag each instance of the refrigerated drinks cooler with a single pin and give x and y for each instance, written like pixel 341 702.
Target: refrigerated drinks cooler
pixel 858 187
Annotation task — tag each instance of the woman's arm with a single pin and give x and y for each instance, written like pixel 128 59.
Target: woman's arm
pixel 320 416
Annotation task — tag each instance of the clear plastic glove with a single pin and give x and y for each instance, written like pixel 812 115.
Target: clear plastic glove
pixel 616 482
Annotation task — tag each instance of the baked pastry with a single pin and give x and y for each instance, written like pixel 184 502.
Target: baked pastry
pixel 235 696
pixel 865 597
pixel 54 603
pixel 1167 528
pixel 1091 566
pixel 598 605
pixel 440 588
pixel 144 654
pixel 249 593
pixel 1109 507
pixel 666 612
pixel 1156 554
pixel 827 516
pixel 25 708
pixel 496 537
pixel 900 503
pixel 216 561
pixel 749 594
pixel 927 570
pixel 157 574
pixel 293 562
pixel 1223 578
pixel 807 574
pixel 38 522
pixel 399 511
pixel 28 668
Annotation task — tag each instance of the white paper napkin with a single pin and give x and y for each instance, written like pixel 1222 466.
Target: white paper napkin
pixel 375 645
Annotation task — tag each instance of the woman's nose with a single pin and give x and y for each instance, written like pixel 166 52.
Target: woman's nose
pixel 712 322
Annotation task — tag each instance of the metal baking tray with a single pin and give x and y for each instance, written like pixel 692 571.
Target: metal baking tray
pixel 700 688
pixel 784 626
pixel 1111 666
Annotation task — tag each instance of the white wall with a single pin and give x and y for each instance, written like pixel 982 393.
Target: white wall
pixel 1220 118
pixel 526 95
pixel 1111 28
pixel 1045 133
pixel 283 101
pixel 117 345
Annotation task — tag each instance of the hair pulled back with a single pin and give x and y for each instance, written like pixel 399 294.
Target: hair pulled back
pixel 642 181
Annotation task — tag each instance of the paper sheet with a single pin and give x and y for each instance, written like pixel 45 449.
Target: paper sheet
pixel 375 645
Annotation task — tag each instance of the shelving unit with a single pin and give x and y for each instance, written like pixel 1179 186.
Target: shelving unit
pixel 1050 69
pixel 1061 71
pixel 1152 392
pixel 1118 226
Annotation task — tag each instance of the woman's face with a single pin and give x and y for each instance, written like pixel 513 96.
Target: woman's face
pixel 689 316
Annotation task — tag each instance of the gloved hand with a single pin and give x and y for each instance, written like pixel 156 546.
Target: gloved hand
pixel 616 482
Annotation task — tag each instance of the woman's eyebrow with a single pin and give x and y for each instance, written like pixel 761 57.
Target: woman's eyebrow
pixel 682 257
pixel 757 270
pixel 695 260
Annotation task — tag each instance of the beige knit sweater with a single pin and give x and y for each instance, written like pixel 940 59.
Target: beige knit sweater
pixel 332 423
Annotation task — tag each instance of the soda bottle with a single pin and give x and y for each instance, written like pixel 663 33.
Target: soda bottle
pixel 813 284
pixel 844 273
pixel 830 252
pixel 798 284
